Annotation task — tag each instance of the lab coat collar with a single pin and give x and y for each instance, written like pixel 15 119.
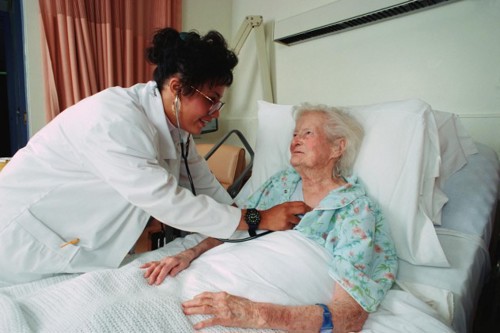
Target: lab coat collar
pixel 153 106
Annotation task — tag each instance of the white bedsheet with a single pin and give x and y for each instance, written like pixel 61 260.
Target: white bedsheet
pixel 473 193
pixel 120 300
pixel 453 291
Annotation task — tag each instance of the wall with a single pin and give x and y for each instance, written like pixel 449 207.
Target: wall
pixel 207 15
pixel 204 16
pixel 447 56
pixel 241 112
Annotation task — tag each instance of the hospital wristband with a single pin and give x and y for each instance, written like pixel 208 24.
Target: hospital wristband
pixel 327 326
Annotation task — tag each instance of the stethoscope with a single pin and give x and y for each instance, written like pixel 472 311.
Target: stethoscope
pixel 184 146
pixel 184 155
pixel 240 240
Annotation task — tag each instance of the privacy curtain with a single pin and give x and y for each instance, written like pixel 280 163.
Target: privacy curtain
pixel 90 45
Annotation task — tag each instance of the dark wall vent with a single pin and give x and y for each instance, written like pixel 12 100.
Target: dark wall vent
pixel 344 15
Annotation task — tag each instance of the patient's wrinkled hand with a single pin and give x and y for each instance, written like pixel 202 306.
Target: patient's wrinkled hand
pixel 226 309
pixel 157 271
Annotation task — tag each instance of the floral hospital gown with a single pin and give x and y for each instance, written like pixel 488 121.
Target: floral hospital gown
pixel 351 227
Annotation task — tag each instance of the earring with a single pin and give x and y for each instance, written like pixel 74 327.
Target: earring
pixel 177 104
pixel 338 171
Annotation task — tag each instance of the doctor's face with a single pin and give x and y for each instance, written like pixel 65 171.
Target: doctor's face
pixel 201 107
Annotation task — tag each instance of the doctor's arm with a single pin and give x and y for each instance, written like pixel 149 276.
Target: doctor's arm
pixel 279 217
pixel 235 311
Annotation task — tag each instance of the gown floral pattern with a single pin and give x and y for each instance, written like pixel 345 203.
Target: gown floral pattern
pixel 351 227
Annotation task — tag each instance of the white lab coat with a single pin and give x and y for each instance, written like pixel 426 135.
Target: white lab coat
pixel 97 172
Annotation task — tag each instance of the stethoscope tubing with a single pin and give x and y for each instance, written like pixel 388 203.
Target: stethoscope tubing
pixel 184 155
pixel 184 146
pixel 240 240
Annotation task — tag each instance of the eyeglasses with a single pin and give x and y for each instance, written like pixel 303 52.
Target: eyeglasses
pixel 216 106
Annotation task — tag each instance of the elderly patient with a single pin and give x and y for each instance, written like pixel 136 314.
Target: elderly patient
pixel 343 221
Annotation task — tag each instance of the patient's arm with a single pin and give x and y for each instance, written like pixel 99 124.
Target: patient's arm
pixel 157 271
pixel 234 311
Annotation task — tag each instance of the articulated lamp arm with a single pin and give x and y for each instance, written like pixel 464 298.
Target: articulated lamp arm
pixel 255 23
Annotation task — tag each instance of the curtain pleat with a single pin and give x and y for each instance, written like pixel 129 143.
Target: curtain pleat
pixel 90 45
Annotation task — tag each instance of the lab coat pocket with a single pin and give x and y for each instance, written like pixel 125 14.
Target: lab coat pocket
pixel 38 248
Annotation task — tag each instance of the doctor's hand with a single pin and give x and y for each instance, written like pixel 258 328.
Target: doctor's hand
pixel 226 309
pixel 283 216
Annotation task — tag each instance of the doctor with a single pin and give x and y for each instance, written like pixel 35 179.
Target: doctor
pixel 79 195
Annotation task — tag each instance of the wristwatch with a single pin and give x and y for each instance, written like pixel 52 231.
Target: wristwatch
pixel 327 326
pixel 252 218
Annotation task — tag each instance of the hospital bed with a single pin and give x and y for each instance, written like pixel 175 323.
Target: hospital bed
pixel 437 188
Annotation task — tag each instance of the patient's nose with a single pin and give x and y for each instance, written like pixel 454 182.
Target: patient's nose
pixel 296 140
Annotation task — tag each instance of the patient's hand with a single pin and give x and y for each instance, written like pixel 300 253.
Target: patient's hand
pixel 235 311
pixel 226 309
pixel 157 271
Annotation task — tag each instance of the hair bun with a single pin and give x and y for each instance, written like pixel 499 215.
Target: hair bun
pixel 197 59
pixel 163 43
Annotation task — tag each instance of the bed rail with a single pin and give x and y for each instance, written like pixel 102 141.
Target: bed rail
pixel 165 233
pixel 234 188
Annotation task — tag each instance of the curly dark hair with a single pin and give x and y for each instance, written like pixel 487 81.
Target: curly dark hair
pixel 197 59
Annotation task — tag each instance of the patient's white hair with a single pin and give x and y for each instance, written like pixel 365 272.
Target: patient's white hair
pixel 338 124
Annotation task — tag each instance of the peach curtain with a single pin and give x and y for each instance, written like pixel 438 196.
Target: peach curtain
pixel 90 45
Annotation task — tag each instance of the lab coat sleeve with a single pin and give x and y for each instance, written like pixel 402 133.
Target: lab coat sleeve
pixel 124 153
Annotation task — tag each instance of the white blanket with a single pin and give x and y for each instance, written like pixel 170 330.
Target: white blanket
pixel 282 267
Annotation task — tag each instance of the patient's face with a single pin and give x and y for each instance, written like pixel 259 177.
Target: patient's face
pixel 310 147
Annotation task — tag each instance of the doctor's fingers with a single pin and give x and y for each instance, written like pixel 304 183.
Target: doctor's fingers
pixel 283 216
pixel 297 207
pixel 294 211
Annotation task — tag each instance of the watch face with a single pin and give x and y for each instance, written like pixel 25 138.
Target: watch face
pixel 252 217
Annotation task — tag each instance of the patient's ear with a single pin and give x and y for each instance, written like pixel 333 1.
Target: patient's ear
pixel 338 147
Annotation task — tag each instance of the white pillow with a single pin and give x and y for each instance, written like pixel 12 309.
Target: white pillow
pixel 398 158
